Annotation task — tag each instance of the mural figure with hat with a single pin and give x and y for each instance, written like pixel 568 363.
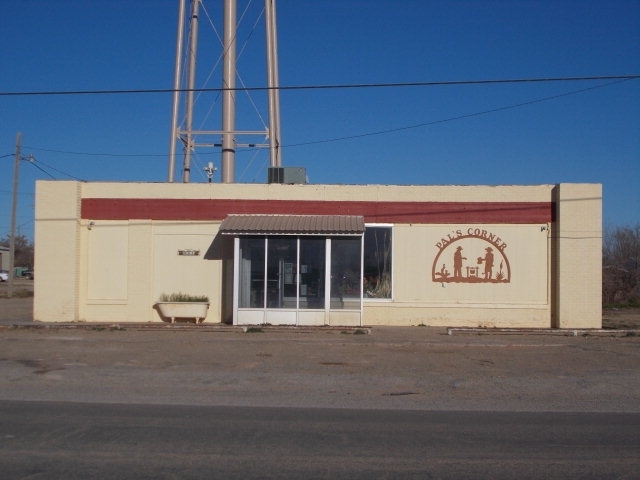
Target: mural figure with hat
pixel 457 262
pixel 488 263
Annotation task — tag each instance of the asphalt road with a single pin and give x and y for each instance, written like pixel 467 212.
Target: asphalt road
pixel 86 441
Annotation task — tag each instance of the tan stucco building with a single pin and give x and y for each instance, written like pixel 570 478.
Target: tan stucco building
pixel 491 256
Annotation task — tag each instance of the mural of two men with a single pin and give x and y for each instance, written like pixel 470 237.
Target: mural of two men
pixel 487 260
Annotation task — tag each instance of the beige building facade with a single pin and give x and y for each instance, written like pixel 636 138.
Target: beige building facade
pixel 488 256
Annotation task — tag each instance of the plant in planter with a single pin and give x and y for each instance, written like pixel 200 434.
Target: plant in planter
pixel 183 305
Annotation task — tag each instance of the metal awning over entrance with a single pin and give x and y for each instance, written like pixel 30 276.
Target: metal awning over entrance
pixel 292 225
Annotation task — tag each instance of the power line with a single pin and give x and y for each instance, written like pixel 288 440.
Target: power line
pixel 42 170
pixel 366 134
pixel 36 162
pixel 458 117
pixel 323 87
pixel 95 154
pixel 30 194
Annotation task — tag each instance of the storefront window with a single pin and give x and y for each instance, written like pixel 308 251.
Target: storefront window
pixel 281 272
pixel 346 278
pixel 377 262
pixel 251 291
pixel 296 269
pixel 312 272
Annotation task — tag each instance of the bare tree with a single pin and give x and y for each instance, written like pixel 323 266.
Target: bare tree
pixel 621 266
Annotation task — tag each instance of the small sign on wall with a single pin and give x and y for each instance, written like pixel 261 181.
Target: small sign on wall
pixel 189 253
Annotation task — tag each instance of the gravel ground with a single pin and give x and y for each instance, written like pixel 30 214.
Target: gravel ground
pixel 622 318
pixel 417 368
pixel 408 368
pixel 19 309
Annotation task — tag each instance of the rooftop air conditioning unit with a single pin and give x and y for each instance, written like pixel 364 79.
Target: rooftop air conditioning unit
pixel 288 175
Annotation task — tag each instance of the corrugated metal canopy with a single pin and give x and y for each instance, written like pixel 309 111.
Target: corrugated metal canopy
pixel 292 225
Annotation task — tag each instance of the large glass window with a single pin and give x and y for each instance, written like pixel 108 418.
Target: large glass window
pixel 282 272
pixel 312 272
pixel 251 291
pixel 346 277
pixel 377 262
pixel 296 269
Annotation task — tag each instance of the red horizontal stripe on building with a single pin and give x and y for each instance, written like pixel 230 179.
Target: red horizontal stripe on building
pixel 373 212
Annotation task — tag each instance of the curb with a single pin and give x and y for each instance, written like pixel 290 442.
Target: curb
pixel 201 327
pixel 224 328
pixel 569 332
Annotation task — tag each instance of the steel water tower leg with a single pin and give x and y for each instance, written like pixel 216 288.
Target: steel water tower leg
pixel 228 92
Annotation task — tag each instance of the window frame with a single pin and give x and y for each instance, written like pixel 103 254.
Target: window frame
pixel 242 283
pixel 391 228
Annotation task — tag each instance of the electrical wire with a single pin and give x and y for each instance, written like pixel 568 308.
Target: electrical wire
pixel 36 163
pixel 458 117
pixel 617 79
pixel 323 87
pixel 42 170
pixel 95 154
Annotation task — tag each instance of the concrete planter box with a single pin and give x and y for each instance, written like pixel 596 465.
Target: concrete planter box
pixel 173 310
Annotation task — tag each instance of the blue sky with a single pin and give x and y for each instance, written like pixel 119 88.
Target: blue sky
pixel 523 133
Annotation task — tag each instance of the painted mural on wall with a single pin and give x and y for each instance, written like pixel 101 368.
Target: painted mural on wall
pixel 471 255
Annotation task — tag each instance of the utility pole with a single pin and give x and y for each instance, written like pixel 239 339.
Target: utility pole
pixel 14 204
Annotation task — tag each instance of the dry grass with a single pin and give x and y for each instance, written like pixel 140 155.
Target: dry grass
pixel 621 318
pixel 17 293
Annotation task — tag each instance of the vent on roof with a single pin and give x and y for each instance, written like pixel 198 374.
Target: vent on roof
pixel 287 175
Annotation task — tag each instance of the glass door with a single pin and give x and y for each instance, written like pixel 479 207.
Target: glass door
pixel 282 272
pixel 251 273
pixel 312 272
pixel 292 280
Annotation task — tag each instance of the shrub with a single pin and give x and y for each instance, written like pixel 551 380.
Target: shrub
pixel 183 297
